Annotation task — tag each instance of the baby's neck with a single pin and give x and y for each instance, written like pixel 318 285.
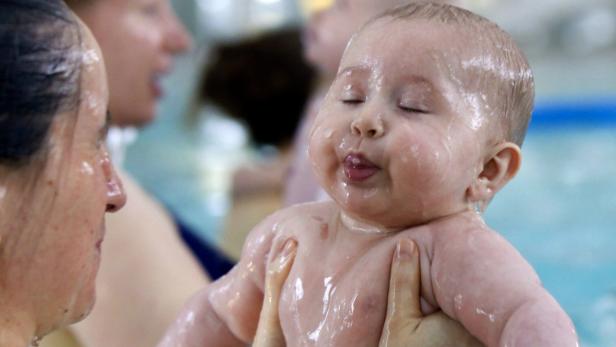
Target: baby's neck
pixel 363 227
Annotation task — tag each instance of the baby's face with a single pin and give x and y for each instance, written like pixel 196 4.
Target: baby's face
pixel 396 142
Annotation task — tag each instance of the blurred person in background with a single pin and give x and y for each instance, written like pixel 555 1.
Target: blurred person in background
pixel 263 83
pixel 147 272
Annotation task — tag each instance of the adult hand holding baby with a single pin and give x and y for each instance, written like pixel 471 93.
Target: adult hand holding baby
pixel 405 325
pixel 269 333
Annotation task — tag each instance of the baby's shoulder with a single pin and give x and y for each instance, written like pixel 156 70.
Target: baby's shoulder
pixel 288 221
pixel 468 235
pixel 461 225
pixel 305 213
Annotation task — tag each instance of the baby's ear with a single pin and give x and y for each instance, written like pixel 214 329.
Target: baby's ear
pixel 498 169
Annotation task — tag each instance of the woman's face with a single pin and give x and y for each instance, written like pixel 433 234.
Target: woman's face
pixel 139 39
pixel 52 250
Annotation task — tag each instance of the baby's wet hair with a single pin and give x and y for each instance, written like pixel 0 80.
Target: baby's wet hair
pixel 501 64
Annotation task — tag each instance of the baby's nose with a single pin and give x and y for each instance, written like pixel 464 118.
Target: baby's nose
pixel 368 126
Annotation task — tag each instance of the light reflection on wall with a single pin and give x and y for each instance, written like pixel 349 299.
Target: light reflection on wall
pixel 229 19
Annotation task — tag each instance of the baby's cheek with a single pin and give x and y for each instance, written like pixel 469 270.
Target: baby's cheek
pixel 321 153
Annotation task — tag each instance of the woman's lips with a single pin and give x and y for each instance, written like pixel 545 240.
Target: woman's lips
pixel 357 168
pixel 156 87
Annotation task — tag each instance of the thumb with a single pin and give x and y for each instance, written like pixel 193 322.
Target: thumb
pixel 403 302
pixel 269 333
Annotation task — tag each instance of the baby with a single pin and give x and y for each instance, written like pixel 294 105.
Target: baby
pixel 420 128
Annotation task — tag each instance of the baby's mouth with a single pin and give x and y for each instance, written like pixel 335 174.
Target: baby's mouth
pixel 357 168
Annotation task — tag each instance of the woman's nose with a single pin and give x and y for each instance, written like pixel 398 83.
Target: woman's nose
pixel 177 39
pixel 368 126
pixel 116 196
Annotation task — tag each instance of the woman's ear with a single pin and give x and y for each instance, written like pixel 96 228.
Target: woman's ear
pixel 498 169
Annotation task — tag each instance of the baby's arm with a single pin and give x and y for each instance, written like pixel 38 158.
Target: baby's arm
pixel 226 313
pixel 483 282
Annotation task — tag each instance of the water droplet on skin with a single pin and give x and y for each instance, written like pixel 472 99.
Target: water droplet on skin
pixel 458 302
pixel 329 133
pixel 344 145
pixel 89 57
pixel 299 290
pixel 437 156
pixel 477 207
pixel 35 341
pixel 86 168
pixel 472 100
pixel 490 316
pixel 91 100
pixel 190 318
pixel 487 64
pixel 251 267
pixel 328 292
pixel 344 187
pixel 360 227
pixel 370 193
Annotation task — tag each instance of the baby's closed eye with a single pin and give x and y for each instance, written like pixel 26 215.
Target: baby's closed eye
pixel 412 108
pixel 352 95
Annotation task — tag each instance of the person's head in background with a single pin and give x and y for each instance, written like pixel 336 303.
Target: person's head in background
pixel 263 81
pixel 330 28
pixel 56 180
pixel 139 40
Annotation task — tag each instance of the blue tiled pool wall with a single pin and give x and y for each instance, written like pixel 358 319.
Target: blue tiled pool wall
pixel 558 114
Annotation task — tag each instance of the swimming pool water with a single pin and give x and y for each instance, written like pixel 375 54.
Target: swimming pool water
pixel 560 212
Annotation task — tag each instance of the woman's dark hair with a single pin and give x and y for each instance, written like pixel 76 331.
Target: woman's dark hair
pixel 262 81
pixel 40 69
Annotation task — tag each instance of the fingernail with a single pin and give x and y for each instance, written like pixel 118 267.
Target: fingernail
pixel 283 257
pixel 289 247
pixel 406 248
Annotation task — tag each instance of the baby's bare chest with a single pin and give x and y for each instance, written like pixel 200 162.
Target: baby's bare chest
pixel 337 296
